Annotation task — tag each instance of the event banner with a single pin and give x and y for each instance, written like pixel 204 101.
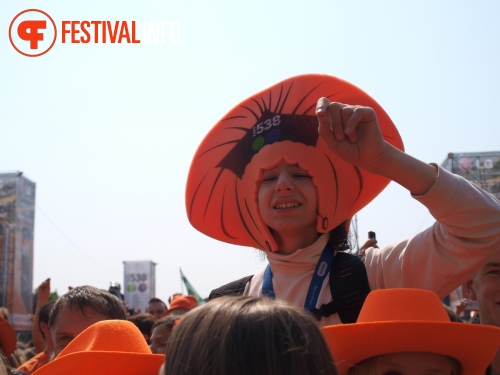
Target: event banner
pixel 140 283
pixel 17 221
pixel 482 168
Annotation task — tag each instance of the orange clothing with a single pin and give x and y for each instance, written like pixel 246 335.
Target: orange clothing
pixel 33 364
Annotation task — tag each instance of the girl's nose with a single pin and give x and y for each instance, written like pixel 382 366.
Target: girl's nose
pixel 284 182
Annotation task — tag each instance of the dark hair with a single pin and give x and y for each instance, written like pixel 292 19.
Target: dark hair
pixel 339 238
pixel 167 321
pixel 44 314
pixel 248 335
pixel 144 322
pixel 154 299
pixel 89 297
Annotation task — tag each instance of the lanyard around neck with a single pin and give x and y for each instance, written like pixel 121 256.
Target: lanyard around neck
pixel 320 273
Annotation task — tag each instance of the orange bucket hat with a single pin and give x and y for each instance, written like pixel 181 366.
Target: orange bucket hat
pixel 276 124
pixel 8 337
pixel 111 347
pixel 410 320
pixel 182 302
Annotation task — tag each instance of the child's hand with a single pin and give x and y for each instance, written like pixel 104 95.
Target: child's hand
pixel 44 292
pixel 369 243
pixel 352 132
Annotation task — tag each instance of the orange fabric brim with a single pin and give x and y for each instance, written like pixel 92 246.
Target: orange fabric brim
pixel 277 124
pixel 474 346
pixel 109 363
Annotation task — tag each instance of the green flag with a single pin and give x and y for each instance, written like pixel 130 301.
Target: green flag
pixel 190 290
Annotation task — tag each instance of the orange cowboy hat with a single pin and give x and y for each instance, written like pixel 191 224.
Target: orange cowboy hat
pixel 111 347
pixel 410 320
pixel 8 337
pixel 182 302
pixel 276 124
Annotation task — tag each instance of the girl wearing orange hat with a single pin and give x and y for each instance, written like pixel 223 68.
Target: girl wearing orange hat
pixel 265 177
pixel 406 332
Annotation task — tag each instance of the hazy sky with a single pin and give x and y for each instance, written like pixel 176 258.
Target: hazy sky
pixel 107 131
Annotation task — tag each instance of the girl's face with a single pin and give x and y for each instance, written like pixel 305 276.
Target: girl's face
pixel 414 364
pixel 288 201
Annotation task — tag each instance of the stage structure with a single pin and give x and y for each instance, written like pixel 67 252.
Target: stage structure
pixel 17 222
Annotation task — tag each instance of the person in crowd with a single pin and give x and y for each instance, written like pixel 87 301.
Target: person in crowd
pixel 408 331
pixel 460 307
pixel 42 320
pixel 42 340
pixel 5 313
pixel 111 347
pixel 170 298
pixel 484 287
pixel 267 176
pixel 370 243
pixel 181 304
pixel 451 313
pixel 3 369
pixel 156 307
pixel 145 324
pixel 247 336
pixel 78 309
pixel 474 318
pixel 9 362
pixel 162 329
pixel 43 294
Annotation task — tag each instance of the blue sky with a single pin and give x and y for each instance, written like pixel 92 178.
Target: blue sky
pixel 107 131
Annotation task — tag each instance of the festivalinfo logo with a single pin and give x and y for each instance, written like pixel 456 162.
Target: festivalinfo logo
pixel 34 32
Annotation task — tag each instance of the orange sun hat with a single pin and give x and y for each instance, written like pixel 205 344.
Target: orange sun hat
pixel 276 124
pixel 111 347
pixel 182 302
pixel 410 320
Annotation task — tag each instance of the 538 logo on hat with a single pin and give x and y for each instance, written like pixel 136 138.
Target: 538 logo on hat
pixel 32 32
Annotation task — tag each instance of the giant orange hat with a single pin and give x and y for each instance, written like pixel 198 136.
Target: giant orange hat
pixel 111 347
pixel 410 320
pixel 273 125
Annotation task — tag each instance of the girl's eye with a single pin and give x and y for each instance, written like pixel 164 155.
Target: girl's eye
pixel 268 178
pixel 301 175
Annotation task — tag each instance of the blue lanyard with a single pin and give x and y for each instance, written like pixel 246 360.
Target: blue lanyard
pixel 320 273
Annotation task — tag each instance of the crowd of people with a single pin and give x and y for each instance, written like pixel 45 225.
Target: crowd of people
pixel 398 331
pixel 81 313
pixel 285 172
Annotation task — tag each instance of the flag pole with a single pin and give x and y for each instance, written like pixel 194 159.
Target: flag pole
pixel 182 281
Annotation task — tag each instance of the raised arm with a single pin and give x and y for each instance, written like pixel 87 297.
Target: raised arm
pixel 353 133
pixel 43 298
